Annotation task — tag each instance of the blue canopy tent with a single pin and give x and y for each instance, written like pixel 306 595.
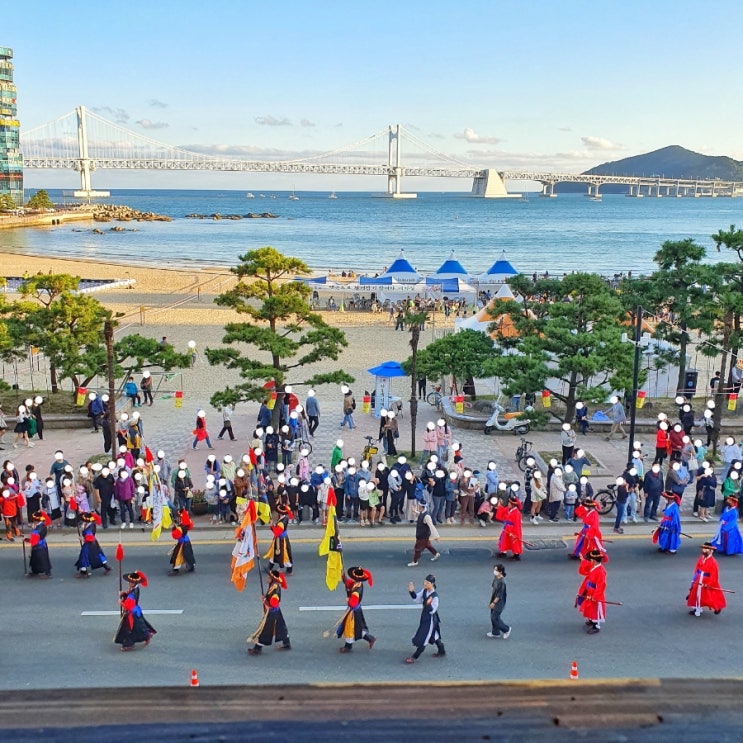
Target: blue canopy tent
pixel 317 280
pixel 401 270
pixel 384 373
pixel 451 269
pixel 499 272
pixel 375 280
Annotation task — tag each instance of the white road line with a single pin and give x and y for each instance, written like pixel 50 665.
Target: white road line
pixel 118 613
pixel 365 607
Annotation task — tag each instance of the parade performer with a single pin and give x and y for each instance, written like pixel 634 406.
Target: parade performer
pixel 273 626
pixel 38 561
pixel 280 552
pixel 591 598
pixel 705 591
pixel 91 555
pixel 133 627
pixel 429 629
pixel 728 539
pixel 667 534
pixel 589 537
pixel 182 552
pixel 352 626
pixel 10 504
pixel 511 538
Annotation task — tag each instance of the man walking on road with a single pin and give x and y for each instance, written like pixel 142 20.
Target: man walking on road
pixel 227 411
pixel 312 408
pixel 424 532
pixel 498 604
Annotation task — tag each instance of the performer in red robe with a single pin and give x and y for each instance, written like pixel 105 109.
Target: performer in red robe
pixel 589 537
pixel 591 598
pixel 705 591
pixel 511 538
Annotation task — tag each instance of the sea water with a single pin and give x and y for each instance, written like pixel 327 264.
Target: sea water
pixel 364 233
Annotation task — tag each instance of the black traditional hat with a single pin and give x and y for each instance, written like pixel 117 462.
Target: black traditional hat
pixel 137 577
pixel 278 576
pixel 708 546
pixel 596 556
pixel 360 574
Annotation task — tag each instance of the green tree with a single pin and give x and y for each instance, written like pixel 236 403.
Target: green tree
pixel 461 356
pixel 40 200
pixel 135 353
pixel 568 340
pixel 280 326
pixel 6 203
pixel 682 287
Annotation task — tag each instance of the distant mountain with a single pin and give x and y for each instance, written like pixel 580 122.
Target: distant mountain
pixel 673 162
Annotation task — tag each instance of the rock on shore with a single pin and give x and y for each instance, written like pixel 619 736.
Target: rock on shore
pixel 119 213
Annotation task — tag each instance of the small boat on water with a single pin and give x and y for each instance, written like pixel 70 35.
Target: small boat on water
pixel 332 195
pixel 262 195
pixel 293 196
pixel 249 195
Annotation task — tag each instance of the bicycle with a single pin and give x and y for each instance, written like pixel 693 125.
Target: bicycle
pixel 523 452
pixel 369 450
pixel 606 497
pixel 434 397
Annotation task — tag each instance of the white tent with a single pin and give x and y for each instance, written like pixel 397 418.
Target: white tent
pixel 402 271
pixel 451 268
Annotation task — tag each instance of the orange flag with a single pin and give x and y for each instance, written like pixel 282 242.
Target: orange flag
pixel 243 555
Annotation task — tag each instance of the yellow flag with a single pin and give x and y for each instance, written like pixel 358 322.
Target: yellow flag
pixel 332 547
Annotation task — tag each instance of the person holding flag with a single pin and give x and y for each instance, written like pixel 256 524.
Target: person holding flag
pixel 182 552
pixel 705 591
pixel 133 627
pixel 91 555
pixel 245 550
pixel 272 626
pixel 39 562
pixel 331 544
pixel 159 514
pixel 280 552
pixel 352 625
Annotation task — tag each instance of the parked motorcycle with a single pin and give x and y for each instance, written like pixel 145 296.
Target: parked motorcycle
pixel 501 420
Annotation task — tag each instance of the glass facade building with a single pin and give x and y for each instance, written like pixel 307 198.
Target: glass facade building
pixel 11 160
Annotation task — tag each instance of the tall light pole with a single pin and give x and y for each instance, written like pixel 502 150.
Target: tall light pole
pixel 635 379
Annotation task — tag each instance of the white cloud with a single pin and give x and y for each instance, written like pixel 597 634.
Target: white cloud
pixel 473 138
pixel 154 103
pixel 119 115
pixel 600 143
pixel 272 121
pixel 306 122
pixel 149 124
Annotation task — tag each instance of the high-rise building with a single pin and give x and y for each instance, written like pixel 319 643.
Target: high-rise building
pixel 11 160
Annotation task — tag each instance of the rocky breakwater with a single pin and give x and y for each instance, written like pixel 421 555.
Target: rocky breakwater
pixel 119 213
pixel 249 215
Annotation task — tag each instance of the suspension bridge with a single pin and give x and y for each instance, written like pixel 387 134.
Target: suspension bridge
pixel 84 141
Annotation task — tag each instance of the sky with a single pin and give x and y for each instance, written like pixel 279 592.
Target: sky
pixel 560 86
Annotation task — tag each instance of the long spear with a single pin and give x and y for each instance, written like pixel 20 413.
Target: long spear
pixel 120 560
pixel 23 544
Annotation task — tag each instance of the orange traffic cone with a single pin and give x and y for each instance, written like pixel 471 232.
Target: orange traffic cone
pixel 195 677
pixel 573 672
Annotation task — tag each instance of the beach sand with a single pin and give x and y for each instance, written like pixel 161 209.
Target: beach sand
pixel 178 303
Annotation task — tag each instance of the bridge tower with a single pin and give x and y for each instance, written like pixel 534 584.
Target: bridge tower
pixel 394 166
pixel 85 165
pixel 490 185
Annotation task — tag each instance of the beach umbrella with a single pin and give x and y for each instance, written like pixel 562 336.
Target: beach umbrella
pixel 384 374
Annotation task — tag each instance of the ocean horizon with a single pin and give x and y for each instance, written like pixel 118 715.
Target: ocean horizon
pixel 361 232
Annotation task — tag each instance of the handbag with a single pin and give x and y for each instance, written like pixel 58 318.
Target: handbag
pixel 189 493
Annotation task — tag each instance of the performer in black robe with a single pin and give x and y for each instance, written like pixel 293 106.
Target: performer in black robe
pixel 39 562
pixel 352 626
pixel 133 627
pixel 279 554
pixel 91 555
pixel 182 552
pixel 429 629
pixel 273 626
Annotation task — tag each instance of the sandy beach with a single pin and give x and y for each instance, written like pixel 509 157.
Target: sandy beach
pixel 179 304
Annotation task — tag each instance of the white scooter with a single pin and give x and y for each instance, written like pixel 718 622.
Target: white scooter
pixel 500 420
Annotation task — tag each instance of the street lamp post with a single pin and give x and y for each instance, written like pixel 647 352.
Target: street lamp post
pixel 635 380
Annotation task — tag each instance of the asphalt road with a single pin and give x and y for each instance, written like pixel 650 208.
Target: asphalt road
pixel 48 643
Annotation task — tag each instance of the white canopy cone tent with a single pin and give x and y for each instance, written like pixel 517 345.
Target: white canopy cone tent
pixel 499 272
pixel 451 268
pixel 402 271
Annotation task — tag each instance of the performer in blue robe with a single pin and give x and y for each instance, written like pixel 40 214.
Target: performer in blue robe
pixel 429 629
pixel 91 555
pixel 668 533
pixel 728 540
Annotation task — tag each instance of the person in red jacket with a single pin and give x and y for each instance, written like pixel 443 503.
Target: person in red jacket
pixel 676 440
pixel 589 537
pixel 280 552
pixel 705 591
pixel 511 537
pixel 10 505
pixel 591 598
pixel 661 442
